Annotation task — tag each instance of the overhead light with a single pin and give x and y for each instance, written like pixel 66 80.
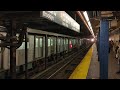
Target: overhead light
pixel 106 13
pixel 88 21
pixel 86 16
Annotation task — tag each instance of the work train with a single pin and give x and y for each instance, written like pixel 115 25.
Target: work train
pixel 57 46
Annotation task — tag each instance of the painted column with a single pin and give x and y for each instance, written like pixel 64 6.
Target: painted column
pixel 104 48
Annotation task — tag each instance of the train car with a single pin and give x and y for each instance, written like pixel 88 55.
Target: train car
pixel 42 51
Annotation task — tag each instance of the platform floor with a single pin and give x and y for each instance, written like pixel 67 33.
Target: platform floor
pixel 113 67
pixel 94 69
pixel 89 68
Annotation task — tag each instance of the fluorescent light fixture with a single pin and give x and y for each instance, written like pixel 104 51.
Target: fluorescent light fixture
pixel 89 24
pixel 86 16
pixel 88 21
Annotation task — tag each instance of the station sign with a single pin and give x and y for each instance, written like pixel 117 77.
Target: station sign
pixel 62 18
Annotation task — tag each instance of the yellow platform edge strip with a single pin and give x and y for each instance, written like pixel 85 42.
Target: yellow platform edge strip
pixel 82 69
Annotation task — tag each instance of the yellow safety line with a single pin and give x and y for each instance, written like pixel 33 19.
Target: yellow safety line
pixel 82 69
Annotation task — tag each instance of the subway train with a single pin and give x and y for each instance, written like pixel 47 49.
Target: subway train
pixel 58 45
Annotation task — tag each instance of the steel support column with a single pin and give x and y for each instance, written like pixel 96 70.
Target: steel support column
pixel 98 47
pixel 26 55
pixel 103 48
pixel 11 34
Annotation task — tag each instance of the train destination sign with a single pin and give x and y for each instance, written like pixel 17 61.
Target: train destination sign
pixel 62 18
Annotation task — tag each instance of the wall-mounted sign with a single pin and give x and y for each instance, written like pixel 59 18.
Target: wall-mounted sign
pixel 62 18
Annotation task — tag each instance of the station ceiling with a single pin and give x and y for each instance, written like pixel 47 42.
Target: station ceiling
pixel 111 16
pixel 94 17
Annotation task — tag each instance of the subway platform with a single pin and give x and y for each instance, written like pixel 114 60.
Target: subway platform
pixel 89 68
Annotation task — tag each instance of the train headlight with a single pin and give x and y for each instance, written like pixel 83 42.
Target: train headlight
pixel 92 40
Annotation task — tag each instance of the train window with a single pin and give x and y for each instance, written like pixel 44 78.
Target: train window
pixel 70 44
pixel 54 44
pixel 36 48
pixel 58 41
pixel 74 42
pixel 41 42
pixel 49 48
pixel 23 46
pixel 64 44
pixel 41 47
pixel 36 42
pixel 66 41
pixel 51 41
pixel 61 45
pixel 52 47
pixel 48 42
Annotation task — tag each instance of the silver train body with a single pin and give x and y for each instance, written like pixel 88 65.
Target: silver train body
pixel 36 48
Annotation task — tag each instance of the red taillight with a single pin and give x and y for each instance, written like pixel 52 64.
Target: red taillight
pixel 70 45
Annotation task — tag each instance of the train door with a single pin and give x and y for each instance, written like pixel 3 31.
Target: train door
pixel 51 50
pixel 40 52
pixel 30 50
pixel 39 47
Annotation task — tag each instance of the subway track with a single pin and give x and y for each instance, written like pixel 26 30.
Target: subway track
pixel 64 68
